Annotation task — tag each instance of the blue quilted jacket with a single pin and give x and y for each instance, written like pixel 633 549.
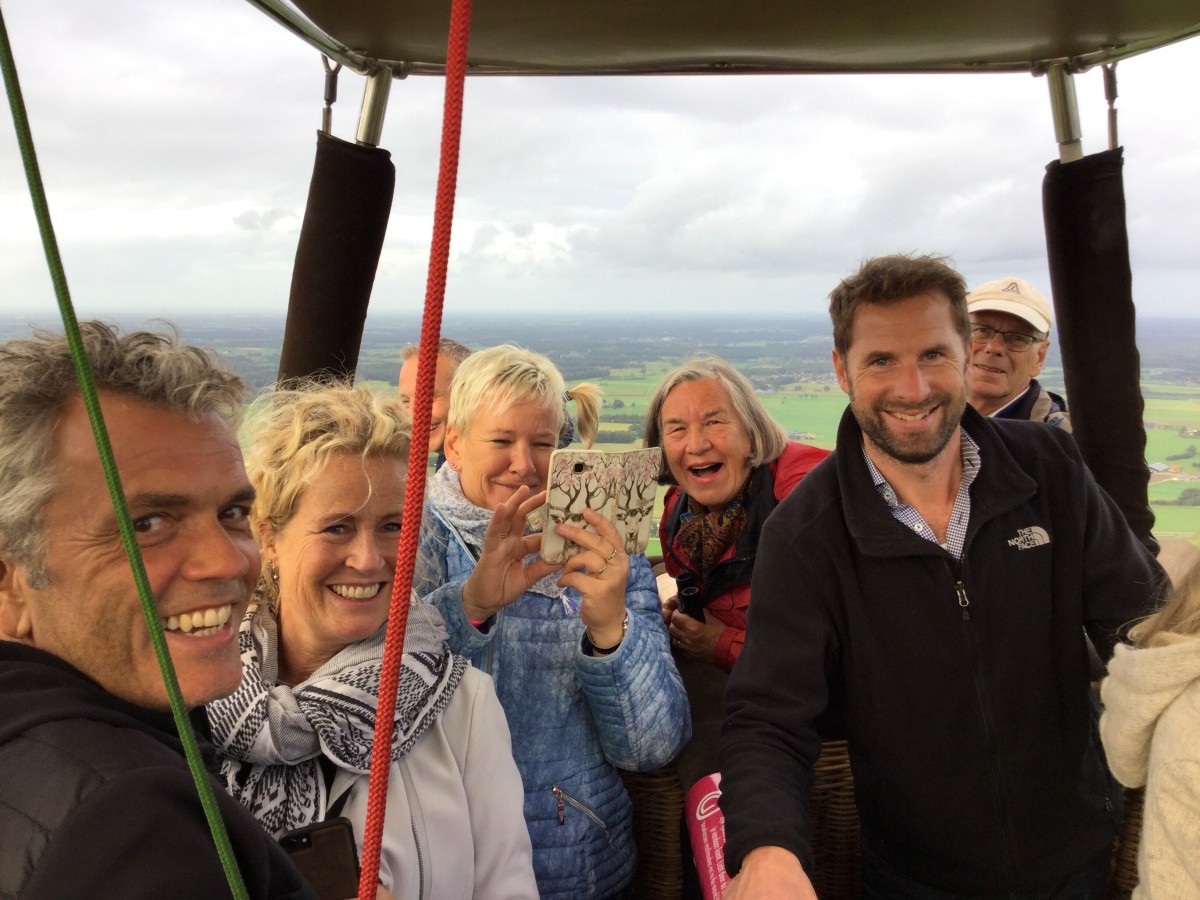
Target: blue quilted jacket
pixel 574 719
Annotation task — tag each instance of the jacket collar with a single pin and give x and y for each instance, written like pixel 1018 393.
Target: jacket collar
pixel 37 687
pixel 1000 486
pixel 546 586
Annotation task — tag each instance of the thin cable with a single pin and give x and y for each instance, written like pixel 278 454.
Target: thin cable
pixel 431 327
pixel 87 391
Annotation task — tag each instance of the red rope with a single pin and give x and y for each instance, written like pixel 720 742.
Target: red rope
pixel 431 328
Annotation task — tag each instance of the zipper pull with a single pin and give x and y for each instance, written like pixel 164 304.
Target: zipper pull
pixel 562 812
pixel 961 590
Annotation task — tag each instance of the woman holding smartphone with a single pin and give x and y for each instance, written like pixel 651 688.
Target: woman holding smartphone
pixel 579 654
pixel 329 466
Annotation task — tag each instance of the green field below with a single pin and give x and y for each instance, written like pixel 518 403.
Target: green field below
pixel 1177 522
pixel 812 411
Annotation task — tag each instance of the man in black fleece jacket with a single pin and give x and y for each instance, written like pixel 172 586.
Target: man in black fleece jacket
pixel 96 799
pixel 930 584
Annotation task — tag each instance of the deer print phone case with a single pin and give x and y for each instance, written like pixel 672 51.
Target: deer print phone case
pixel 620 486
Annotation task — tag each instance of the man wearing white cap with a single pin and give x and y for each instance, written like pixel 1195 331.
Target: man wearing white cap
pixel 1010 330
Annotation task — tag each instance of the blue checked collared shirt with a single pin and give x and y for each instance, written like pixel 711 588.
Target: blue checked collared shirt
pixel 956 531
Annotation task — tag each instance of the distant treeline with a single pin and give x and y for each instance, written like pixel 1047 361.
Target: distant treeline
pixel 619 437
pixel 772 350
pixel 1189 496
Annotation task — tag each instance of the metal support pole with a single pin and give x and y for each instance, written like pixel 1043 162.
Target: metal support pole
pixel 1066 113
pixel 1110 94
pixel 374 105
pixel 331 79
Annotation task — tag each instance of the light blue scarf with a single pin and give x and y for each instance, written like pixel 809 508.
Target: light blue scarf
pixel 471 522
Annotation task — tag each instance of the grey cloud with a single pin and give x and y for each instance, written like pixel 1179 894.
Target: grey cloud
pixel 643 192
pixel 260 220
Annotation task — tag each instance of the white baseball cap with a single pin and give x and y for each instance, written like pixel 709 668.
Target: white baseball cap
pixel 1015 296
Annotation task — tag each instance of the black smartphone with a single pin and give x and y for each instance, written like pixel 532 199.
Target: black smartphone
pixel 327 857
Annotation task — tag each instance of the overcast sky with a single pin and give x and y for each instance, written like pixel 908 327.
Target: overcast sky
pixel 176 142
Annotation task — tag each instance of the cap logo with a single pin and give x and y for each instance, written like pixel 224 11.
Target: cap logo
pixel 1012 288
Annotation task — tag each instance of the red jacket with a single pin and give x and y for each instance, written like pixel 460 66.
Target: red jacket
pixel 726 594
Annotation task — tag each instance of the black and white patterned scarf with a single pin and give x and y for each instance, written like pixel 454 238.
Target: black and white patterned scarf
pixel 272 735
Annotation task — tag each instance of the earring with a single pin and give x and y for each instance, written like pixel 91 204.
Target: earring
pixel 272 573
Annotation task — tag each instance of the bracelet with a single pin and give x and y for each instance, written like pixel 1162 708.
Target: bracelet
pixel 605 651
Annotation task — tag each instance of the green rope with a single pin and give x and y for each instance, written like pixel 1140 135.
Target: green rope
pixel 88 391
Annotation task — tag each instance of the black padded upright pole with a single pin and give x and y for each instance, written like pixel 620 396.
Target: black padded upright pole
pixel 349 201
pixel 1088 246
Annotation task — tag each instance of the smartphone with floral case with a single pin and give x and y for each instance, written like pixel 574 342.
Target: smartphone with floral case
pixel 619 485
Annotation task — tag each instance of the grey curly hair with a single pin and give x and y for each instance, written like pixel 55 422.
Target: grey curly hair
pixel 37 381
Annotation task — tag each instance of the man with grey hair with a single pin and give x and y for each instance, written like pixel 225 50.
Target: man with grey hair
pixel 95 795
pixel 450 354
pixel 1010 334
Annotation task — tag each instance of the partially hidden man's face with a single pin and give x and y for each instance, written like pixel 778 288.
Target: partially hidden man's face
pixel 997 374
pixel 905 373
pixel 441 396
pixel 190 502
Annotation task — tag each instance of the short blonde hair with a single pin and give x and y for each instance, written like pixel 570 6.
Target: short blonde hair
pixel 297 430
pixel 506 375
pixel 767 440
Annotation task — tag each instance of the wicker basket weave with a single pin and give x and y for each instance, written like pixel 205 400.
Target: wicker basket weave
pixel 658 805
pixel 835 825
pixel 657 811
pixel 1123 871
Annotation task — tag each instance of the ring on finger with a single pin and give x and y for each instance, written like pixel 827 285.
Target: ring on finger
pixel 504 534
pixel 610 556
pixel 599 571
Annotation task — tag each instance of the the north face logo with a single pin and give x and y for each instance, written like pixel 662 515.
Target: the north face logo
pixel 1034 536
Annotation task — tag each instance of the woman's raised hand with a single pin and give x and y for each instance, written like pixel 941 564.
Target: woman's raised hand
pixel 501 575
pixel 599 573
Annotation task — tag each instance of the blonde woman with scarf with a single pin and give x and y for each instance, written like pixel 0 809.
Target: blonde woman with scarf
pixel 329 465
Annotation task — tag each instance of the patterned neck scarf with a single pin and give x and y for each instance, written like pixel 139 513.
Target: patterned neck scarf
pixel 704 535
pixel 471 522
pixel 271 735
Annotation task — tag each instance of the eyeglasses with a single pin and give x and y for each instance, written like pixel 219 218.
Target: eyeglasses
pixel 1013 340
